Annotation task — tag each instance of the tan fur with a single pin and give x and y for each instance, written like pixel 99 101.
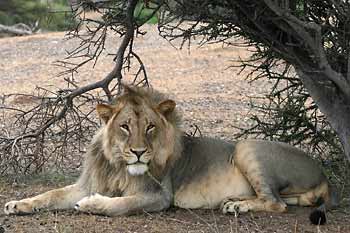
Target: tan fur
pixel 308 198
pixel 140 160
pixel 212 189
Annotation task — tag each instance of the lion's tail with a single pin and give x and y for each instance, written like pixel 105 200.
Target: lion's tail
pixel 329 201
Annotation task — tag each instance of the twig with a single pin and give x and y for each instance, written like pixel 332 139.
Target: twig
pixel 115 73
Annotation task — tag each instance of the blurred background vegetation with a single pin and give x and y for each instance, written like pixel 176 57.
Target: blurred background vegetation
pixel 51 15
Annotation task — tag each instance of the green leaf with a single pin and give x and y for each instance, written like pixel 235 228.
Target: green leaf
pixel 143 14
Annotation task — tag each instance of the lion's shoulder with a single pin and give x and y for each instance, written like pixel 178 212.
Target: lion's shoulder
pixel 199 156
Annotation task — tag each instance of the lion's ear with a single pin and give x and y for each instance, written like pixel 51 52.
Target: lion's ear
pixel 127 89
pixel 104 111
pixel 166 107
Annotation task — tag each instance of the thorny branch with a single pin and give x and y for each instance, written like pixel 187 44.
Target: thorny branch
pixel 313 36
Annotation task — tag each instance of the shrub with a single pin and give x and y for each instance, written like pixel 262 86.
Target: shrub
pixel 50 16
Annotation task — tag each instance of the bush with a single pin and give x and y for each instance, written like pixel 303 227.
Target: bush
pixel 58 18
pixel 50 16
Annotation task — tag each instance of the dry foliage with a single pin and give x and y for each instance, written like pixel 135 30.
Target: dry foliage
pixel 60 122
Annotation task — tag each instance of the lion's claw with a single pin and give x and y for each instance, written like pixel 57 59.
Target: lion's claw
pixel 235 207
pixel 231 208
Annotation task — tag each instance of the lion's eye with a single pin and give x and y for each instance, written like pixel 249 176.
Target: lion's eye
pixel 124 127
pixel 150 128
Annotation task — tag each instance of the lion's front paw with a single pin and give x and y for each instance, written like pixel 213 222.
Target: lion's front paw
pixel 235 207
pixel 19 207
pixel 92 204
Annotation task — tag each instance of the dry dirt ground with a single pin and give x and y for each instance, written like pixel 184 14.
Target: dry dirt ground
pixel 208 93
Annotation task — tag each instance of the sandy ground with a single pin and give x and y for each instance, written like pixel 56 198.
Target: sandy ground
pixel 208 93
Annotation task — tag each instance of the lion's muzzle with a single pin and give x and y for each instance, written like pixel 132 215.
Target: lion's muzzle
pixel 138 165
pixel 137 168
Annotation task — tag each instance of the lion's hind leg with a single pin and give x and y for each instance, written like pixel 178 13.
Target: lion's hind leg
pixel 266 196
pixel 266 190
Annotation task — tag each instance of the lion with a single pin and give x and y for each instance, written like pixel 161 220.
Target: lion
pixel 140 160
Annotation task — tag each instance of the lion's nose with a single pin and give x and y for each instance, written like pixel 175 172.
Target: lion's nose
pixel 138 152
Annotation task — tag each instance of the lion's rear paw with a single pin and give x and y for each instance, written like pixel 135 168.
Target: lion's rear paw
pixel 19 207
pixel 235 207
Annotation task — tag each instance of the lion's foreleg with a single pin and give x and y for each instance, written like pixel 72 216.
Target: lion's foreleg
pixel 113 206
pixel 63 198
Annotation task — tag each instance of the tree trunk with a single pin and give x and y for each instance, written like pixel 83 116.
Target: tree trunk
pixel 332 103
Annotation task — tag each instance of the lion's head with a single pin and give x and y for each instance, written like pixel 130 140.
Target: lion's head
pixel 141 131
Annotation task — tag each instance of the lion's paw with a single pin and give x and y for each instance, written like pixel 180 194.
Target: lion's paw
pixel 235 207
pixel 20 207
pixel 92 204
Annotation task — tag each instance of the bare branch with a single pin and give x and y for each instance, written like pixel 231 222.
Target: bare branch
pixel 52 113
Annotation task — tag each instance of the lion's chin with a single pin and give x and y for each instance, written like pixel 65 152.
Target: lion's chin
pixel 137 169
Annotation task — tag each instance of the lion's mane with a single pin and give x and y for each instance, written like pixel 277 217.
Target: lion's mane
pixel 101 176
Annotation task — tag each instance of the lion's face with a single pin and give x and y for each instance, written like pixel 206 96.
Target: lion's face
pixel 135 133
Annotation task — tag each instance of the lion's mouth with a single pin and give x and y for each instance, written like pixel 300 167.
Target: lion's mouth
pixel 137 168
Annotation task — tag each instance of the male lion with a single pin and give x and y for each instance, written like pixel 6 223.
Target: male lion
pixel 141 161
